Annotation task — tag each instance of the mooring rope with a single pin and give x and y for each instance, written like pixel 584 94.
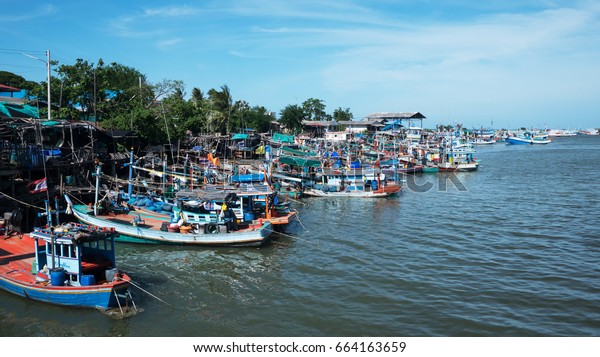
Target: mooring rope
pixel 149 293
pixel 299 221
pixel 21 202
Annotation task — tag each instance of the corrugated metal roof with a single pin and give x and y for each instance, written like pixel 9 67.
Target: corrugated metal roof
pixel 393 115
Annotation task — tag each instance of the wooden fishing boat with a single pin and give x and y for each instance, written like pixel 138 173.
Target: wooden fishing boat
pixel 244 204
pixel 358 183
pixel 529 138
pixel 383 192
pixel 457 157
pixel 80 271
pixel 135 228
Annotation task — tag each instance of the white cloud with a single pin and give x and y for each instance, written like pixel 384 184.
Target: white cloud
pixel 27 14
pixel 171 11
pixel 165 44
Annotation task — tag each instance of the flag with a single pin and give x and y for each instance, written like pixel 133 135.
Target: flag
pixel 38 186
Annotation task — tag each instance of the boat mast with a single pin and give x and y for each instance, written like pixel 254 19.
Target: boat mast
pixel 130 183
pixel 97 174
pixel 48 68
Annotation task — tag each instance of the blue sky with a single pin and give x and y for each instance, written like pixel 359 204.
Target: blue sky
pixel 510 63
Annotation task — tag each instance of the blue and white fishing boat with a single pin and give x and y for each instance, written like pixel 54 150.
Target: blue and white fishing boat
pixel 529 138
pixel 68 264
pixel 355 182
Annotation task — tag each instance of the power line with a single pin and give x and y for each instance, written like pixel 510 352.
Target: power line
pixel 14 65
pixel 9 50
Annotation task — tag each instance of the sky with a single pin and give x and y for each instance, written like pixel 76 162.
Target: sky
pixel 494 63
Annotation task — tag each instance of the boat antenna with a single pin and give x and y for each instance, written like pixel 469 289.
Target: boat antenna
pixel 130 182
pixel 97 174
pixel 43 160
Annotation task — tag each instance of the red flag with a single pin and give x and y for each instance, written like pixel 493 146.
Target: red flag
pixel 38 186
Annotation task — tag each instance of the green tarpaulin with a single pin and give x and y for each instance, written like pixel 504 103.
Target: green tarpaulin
pixel 298 152
pixel 239 136
pixel 282 138
pixel 18 110
pixel 298 161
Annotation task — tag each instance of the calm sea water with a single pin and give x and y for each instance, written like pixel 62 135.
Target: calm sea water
pixel 510 250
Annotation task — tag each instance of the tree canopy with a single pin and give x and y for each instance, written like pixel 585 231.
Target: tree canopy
pixel 120 97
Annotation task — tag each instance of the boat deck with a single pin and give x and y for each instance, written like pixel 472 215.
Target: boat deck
pixel 17 256
pixel 128 219
pixel 155 221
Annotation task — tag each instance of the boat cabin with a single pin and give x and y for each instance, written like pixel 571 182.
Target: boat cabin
pixel 85 254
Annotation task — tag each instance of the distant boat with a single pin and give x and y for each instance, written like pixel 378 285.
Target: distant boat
pixel 480 141
pixel 360 183
pixel 560 132
pixel 80 271
pixel 457 156
pixel 588 132
pixel 529 138
pixel 483 137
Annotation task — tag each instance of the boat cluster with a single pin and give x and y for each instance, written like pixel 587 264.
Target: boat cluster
pixel 239 199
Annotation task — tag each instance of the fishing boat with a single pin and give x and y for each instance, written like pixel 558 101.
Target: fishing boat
pixel 457 156
pixel 483 137
pixel 231 206
pixel 352 183
pixel 69 264
pixel 529 138
pixel 135 228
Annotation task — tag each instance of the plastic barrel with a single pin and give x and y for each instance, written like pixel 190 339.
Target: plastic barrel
pixel 57 276
pixel 374 185
pixel 87 280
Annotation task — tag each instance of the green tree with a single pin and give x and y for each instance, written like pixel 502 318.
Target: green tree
pixel 342 114
pixel 104 91
pixel 291 117
pixel 221 105
pixel 259 118
pixel 314 109
pixel 14 80
pixel 197 97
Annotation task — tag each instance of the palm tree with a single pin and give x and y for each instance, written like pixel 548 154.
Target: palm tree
pixel 221 105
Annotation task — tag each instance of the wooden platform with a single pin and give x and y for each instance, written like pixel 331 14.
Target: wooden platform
pixel 17 255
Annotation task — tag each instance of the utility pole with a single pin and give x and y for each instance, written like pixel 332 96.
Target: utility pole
pixel 47 61
pixel 48 67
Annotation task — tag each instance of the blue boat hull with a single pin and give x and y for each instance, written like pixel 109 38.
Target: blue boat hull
pixel 93 297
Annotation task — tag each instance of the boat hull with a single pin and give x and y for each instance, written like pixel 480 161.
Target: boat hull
pixel 101 297
pixel 526 141
pixel 430 169
pixel 461 167
pixel 381 193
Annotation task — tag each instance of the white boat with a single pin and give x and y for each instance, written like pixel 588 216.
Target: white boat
pixel 134 228
pixel 344 182
pixel 457 156
pixel 480 141
pixel 413 134
pixel 484 137
pixel 561 132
